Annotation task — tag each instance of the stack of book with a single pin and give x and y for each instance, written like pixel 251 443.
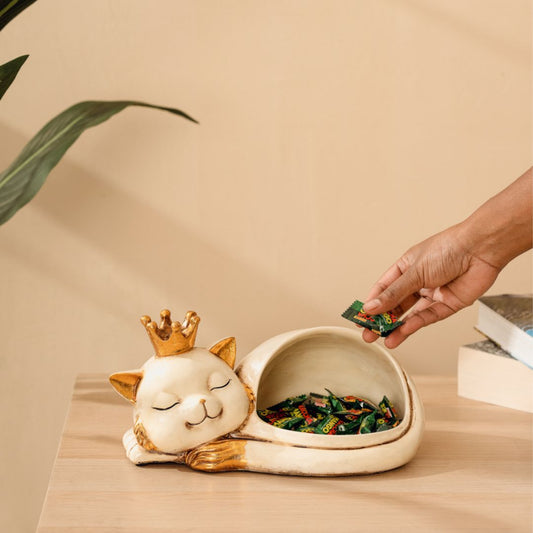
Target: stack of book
pixel 499 370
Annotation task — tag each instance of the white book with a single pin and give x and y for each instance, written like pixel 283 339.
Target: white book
pixel 507 319
pixel 487 373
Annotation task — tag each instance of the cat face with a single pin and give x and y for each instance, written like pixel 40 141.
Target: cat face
pixel 185 400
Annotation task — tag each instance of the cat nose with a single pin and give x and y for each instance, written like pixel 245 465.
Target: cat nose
pixel 202 400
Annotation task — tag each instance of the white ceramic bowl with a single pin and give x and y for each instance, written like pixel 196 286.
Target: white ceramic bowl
pixel 308 360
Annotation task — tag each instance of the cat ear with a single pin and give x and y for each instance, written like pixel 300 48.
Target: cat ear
pixel 126 383
pixel 225 349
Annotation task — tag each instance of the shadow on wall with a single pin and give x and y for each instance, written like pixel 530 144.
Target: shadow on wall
pixel 469 32
pixel 149 245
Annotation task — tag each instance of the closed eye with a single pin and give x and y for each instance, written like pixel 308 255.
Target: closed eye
pixel 165 408
pixel 221 386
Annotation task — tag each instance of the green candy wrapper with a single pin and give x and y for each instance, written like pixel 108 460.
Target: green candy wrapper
pixel 331 414
pixel 329 425
pixel 317 404
pixel 358 404
pixel 303 412
pixel 350 415
pixel 271 416
pixel 387 409
pixel 382 425
pixel 368 424
pixel 306 429
pixel 349 428
pixel 288 423
pixel 383 324
pixel 336 404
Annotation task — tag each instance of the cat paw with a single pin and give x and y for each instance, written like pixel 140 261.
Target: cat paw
pixel 141 456
pixel 218 456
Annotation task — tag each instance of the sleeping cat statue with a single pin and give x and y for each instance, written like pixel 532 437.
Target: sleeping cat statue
pixel 191 406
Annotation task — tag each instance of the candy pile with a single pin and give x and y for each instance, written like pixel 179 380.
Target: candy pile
pixel 382 324
pixel 331 415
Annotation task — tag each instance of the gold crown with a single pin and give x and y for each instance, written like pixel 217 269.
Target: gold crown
pixel 172 338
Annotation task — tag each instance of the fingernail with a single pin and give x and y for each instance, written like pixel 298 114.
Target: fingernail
pixel 372 305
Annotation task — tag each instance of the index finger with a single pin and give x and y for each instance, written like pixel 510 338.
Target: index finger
pixel 403 292
pixel 391 275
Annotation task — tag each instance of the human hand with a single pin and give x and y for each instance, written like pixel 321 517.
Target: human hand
pixel 439 276
pixel 434 279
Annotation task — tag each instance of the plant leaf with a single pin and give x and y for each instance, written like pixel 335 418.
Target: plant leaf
pixel 9 9
pixel 8 72
pixel 21 181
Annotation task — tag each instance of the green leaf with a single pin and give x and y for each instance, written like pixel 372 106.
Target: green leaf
pixel 8 72
pixel 21 181
pixel 9 9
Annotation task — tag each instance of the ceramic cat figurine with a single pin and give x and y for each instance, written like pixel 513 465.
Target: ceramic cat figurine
pixel 192 407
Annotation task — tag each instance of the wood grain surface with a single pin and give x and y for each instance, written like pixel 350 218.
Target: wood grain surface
pixel 473 472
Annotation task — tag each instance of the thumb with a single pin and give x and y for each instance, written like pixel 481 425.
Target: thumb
pixel 393 295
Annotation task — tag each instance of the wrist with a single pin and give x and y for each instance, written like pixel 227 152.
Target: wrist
pixel 501 229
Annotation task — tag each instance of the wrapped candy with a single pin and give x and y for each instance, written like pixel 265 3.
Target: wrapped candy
pixel 331 414
pixel 383 324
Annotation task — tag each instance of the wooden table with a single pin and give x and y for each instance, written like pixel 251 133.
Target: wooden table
pixel 473 472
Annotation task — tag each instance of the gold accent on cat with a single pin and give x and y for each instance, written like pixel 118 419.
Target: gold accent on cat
pixel 251 398
pixel 218 456
pixel 142 436
pixel 226 349
pixel 126 383
pixel 172 338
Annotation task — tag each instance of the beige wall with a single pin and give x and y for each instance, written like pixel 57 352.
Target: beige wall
pixel 333 136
